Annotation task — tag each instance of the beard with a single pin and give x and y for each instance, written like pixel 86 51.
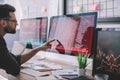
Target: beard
pixel 8 29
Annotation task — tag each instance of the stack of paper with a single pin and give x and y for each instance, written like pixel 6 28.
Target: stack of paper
pixel 33 72
pixel 3 78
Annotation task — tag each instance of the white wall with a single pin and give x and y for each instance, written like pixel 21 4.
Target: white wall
pixel 36 8
pixel 33 8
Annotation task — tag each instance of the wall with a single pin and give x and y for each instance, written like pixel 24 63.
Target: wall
pixel 34 8
pixel 40 8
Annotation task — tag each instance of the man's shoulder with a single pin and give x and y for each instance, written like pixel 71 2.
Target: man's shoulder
pixel 2 41
pixel 1 37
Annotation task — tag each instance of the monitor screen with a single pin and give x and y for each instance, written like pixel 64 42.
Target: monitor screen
pixel 33 30
pixel 73 33
pixel 43 22
pixel 107 57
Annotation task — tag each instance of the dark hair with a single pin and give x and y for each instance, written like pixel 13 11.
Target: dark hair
pixel 5 9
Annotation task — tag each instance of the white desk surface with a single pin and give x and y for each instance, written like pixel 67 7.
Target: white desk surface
pixel 64 60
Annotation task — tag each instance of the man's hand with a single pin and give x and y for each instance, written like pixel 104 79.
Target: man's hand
pixel 60 48
pixel 47 45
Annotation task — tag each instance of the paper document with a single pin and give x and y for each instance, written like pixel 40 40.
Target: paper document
pixel 46 67
pixel 65 72
pixel 33 72
pixel 42 65
pixel 47 78
pixel 3 78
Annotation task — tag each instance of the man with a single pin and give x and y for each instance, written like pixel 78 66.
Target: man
pixel 9 61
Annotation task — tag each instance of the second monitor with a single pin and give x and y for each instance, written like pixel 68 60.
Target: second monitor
pixel 33 30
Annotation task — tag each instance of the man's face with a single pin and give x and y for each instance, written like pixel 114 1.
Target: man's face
pixel 11 24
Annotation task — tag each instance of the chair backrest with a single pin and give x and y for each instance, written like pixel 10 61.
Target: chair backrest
pixel 3 74
pixel 18 47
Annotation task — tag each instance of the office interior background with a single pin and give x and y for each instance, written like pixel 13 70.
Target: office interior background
pixel 108 11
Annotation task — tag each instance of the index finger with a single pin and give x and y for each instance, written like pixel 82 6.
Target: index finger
pixel 59 42
pixel 50 41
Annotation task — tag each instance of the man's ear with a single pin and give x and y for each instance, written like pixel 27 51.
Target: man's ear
pixel 0 22
pixel 3 23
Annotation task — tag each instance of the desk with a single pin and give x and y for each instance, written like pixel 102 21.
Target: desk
pixel 21 76
pixel 59 59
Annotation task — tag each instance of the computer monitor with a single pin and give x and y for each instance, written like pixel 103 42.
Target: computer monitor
pixel 33 30
pixel 107 56
pixel 73 32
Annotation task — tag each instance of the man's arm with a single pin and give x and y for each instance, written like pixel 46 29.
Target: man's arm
pixel 60 48
pixel 8 62
pixel 25 57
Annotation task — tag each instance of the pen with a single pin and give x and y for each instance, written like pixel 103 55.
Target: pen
pixel 38 77
pixel 44 75
pixel 58 77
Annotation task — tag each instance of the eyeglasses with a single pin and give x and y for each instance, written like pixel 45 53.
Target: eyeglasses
pixel 10 20
pixel 13 20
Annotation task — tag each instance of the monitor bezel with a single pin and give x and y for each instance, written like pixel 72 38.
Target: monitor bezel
pixel 77 14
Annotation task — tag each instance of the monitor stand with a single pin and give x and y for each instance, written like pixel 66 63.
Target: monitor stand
pixel 29 45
